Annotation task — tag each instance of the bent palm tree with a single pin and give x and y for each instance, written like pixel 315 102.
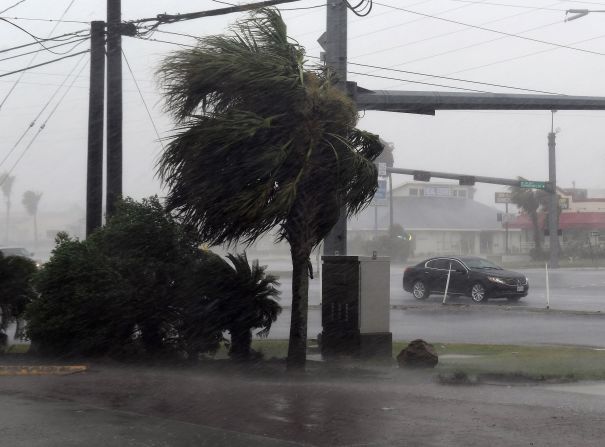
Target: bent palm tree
pixel 30 201
pixel 263 143
pixel 6 184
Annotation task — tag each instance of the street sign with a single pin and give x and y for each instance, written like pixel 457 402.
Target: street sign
pixel 532 185
pixel 382 169
pixel 503 197
pixel 564 203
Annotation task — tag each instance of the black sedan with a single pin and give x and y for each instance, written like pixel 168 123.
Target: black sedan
pixel 475 277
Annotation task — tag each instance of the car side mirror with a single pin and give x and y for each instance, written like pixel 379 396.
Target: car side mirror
pixel 461 271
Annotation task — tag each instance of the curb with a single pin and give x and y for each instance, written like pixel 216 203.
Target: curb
pixel 41 370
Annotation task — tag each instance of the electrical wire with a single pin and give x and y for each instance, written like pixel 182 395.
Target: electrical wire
pixel 43 125
pixel 361 9
pixel 418 82
pixel 75 44
pixel 53 39
pixel 50 100
pixel 37 19
pixel 43 63
pixel 11 7
pixel 449 33
pixel 454 79
pixel 536 8
pixel 14 86
pixel 504 33
pixel 163 41
pixel 143 99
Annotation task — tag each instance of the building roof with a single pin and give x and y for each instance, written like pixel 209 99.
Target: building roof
pixel 431 213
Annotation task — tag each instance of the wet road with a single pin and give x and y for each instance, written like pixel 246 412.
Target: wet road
pixel 577 297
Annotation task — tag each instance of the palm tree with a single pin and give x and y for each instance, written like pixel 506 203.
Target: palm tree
pixel 246 297
pixel 529 201
pixel 30 202
pixel 263 142
pixel 6 183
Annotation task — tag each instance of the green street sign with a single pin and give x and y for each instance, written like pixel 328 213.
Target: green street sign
pixel 532 185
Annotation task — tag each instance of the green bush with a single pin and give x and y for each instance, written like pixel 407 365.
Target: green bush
pixel 141 286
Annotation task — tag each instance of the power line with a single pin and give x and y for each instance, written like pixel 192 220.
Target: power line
pixel 11 7
pixel 33 123
pixel 43 125
pixel 53 39
pixel 504 33
pixel 43 63
pixel 10 91
pixel 37 19
pixel 163 41
pixel 418 82
pixel 143 99
pixel 77 42
pixel 537 8
pixel 454 79
pixel 449 33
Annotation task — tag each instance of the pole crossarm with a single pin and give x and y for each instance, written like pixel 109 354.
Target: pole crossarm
pixel 426 102
pixel 427 175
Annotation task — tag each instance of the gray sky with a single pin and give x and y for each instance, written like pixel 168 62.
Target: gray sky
pixel 503 144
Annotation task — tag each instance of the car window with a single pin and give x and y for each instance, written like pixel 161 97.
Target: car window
pixel 456 265
pixel 479 263
pixel 441 264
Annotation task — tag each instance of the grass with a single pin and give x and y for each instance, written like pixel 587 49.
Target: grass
pixel 17 349
pixel 532 362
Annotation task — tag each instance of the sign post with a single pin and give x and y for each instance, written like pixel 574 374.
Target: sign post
pixel 506 198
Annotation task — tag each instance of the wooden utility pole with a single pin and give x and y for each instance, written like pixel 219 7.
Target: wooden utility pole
pixel 114 105
pixel 96 109
pixel 336 59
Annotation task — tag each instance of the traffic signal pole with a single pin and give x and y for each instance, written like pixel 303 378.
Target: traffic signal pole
pixel 336 60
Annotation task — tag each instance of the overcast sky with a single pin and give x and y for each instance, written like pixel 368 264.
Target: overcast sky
pixel 502 144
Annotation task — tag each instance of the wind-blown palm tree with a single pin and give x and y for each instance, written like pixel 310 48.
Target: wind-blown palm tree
pixel 263 142
pixel 529 201
pixel 30 201
pixel 6 183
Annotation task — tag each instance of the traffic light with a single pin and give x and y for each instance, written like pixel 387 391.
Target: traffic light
pixel 422 176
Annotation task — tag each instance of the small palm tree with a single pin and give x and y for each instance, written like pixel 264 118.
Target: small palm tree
pixel 30 201
pixel 529 201
pixel 247 302
pixel 6 183
pixel 263 142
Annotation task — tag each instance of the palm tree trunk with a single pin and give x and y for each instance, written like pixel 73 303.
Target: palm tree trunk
pixel 35 231
pixel 297 347
pixel 537 235
pixel 8 210
pixel 241 343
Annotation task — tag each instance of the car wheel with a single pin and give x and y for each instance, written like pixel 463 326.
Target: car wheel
pixel 420 291
pixel 478 293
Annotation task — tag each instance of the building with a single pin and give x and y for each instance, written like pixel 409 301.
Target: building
pixel 443 219
pixel 581 220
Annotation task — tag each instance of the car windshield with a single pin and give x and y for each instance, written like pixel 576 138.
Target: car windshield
pixel 479 263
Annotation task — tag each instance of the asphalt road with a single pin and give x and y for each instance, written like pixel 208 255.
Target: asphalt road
pixel 576 315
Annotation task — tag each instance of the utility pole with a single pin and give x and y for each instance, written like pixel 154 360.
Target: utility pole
pixel 96 109
pixel 114 104
pixel 336 60
pixel 553 212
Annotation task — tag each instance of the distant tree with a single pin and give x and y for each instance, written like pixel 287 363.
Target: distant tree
pixel 263 142
pixel 16 289
pixel 6 183
pixel 529 201
pixel 30 201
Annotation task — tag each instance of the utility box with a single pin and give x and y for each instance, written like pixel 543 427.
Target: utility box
pixel 355 306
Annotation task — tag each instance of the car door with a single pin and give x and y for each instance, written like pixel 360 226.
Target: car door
pixel 437 271
pixel 458 278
